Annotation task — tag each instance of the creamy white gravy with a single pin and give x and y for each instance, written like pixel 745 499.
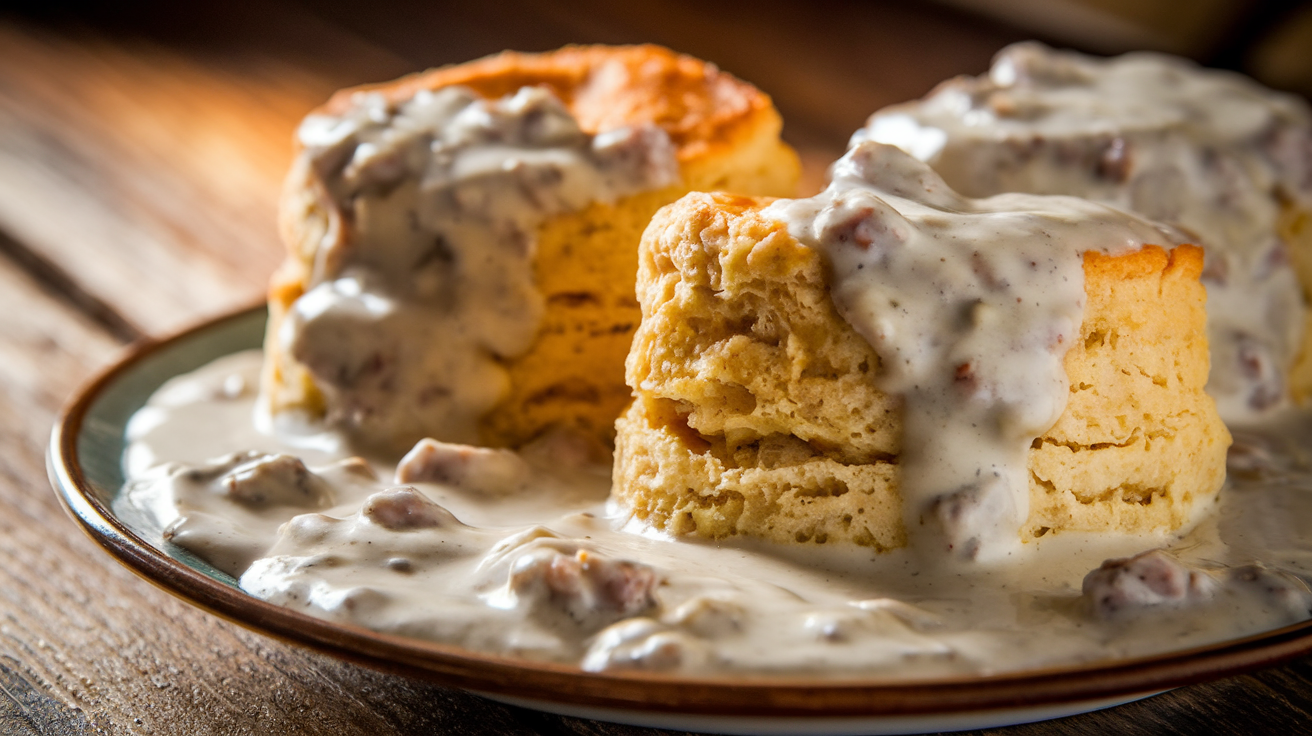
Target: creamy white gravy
pixel 1210 152
pixel 970 305
pixel 423 282
pixel 519 555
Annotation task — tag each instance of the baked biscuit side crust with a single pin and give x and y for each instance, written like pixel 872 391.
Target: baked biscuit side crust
pixel 1295 228
pixel 1140 444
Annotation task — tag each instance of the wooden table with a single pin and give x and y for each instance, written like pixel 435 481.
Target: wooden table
pixel 140 160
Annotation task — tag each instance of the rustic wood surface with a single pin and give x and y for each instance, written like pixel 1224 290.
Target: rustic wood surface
pixel 140 158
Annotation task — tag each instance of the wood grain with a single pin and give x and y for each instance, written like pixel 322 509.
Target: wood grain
pixel 140 159
pixel 137 168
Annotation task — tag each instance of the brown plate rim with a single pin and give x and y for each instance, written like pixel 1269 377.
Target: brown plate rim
pixel 734 695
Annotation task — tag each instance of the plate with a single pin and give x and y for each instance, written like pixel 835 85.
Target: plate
pixel 84 465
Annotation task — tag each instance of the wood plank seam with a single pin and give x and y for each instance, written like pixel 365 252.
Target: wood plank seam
pixel 58 283
pixel 31 705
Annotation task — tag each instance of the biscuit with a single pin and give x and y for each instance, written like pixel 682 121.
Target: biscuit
pixel 725 136
pixel 1211 152
pixel 757 414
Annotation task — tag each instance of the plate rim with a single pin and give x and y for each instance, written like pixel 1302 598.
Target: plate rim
pixel 733 695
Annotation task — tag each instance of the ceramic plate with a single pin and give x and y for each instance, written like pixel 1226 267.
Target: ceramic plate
pixel 85 468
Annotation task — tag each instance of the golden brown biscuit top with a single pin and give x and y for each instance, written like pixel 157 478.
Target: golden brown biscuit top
pixel 700 107
pixel 1100 267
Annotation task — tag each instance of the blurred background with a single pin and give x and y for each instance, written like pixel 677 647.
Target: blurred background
pixel 828 62
pixel 162 129
pixel 1271 41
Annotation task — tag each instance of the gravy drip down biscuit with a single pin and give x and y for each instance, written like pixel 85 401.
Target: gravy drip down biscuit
pixel 463 242
pixel 1210 152
pixel 891 362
